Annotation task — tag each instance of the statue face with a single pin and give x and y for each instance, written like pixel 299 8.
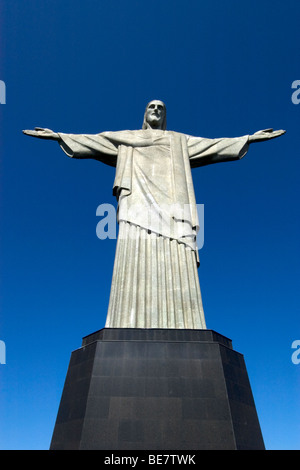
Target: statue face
pixel 155 114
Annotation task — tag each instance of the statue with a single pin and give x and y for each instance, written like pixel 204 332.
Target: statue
pixel 155 280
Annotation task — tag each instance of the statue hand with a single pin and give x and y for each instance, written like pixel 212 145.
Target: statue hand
pixel 42 133
pixel 266 134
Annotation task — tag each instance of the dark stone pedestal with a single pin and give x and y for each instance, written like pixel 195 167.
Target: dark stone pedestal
pixel 156 389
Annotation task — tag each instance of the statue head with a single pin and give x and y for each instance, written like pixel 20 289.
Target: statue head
pixel 155 116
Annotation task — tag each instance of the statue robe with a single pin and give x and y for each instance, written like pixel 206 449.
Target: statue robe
pixel 155 281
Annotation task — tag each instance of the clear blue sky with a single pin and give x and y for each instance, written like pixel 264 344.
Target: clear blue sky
pixel 224 68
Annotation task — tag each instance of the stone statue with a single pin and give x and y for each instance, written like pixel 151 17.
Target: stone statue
pixel 155 280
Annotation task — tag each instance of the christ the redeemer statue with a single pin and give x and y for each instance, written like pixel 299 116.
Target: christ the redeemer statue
pixel 155 280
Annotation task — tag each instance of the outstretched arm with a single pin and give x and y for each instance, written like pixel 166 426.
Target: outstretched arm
pixel 204 151
pixel 95 146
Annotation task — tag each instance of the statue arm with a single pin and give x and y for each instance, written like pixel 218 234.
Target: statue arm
pixel 94 146
pixel 206 151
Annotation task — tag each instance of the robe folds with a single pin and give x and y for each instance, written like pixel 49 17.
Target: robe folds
pixel 155 281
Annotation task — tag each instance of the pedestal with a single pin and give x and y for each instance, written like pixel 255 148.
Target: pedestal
pixel 156 389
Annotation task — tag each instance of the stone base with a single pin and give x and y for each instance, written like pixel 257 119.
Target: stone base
pixel 156 389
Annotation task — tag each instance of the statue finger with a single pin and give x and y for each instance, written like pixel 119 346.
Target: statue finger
pixel 29 132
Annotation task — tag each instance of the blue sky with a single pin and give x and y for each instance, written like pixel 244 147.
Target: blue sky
pixel 223 69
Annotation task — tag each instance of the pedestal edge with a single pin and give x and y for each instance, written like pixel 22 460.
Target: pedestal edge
pixel 156 334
